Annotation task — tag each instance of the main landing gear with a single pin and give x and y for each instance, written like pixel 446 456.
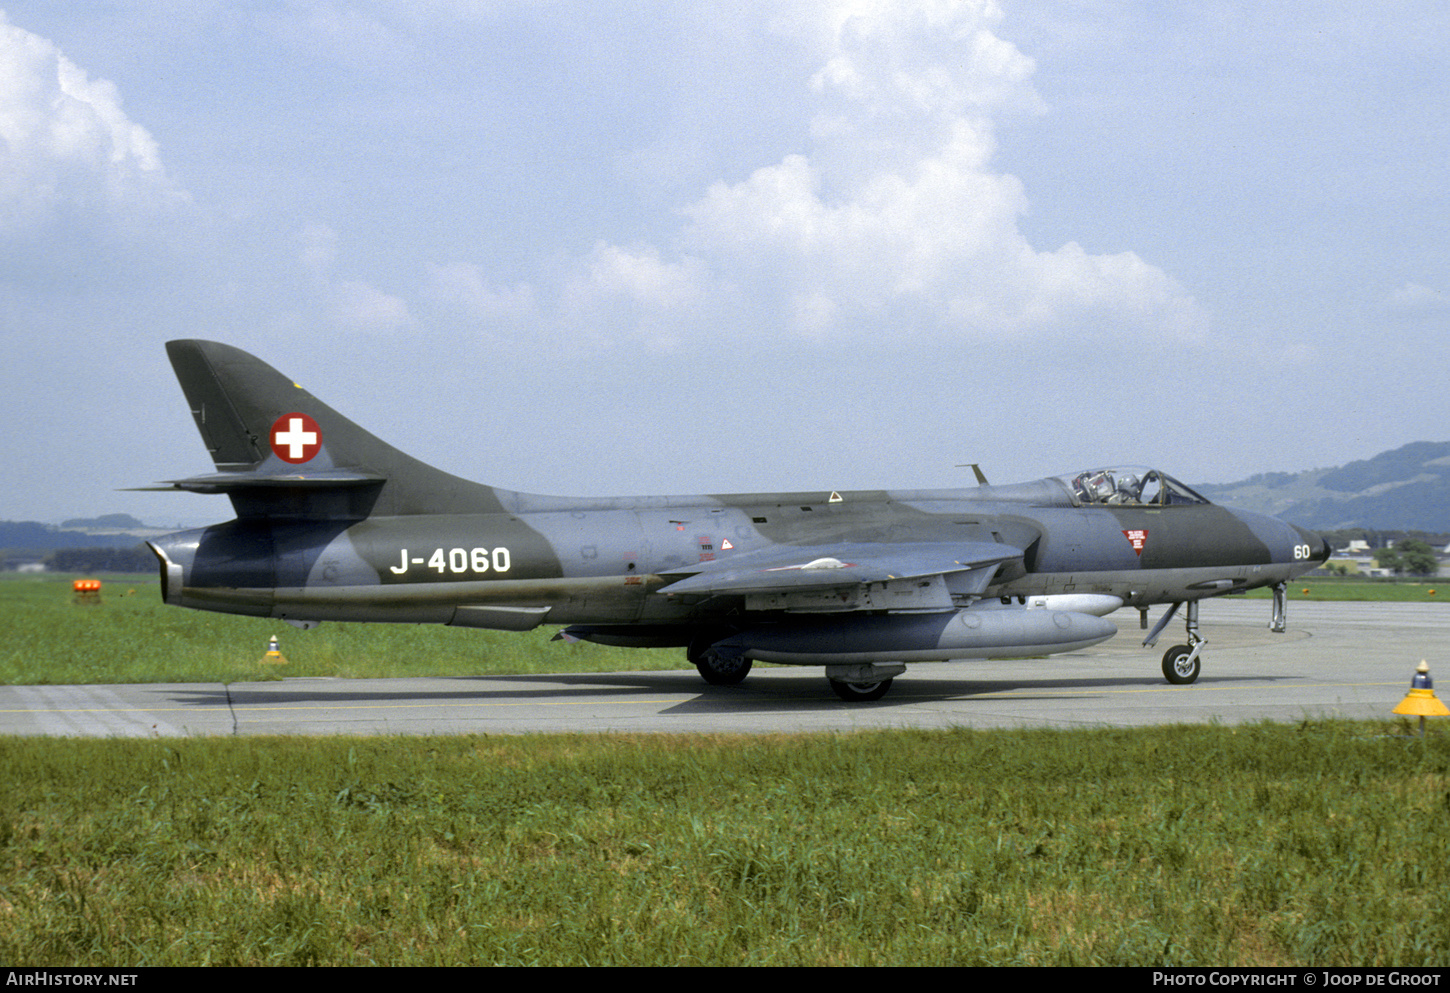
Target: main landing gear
pixel 864 681
pixel 1181 663
pixel 857 683
pixel 860 692
pixel 719 666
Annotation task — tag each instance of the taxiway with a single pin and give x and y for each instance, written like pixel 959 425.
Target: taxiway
pixel 1350 660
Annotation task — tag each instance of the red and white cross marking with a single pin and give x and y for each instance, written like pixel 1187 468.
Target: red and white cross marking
pixel 1138 538
pixel 296 438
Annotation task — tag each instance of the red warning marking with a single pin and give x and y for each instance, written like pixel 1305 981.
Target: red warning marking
pixel 296 438
pixel 1138 538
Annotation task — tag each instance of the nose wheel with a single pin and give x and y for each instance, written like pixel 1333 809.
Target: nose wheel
pixel 1181 664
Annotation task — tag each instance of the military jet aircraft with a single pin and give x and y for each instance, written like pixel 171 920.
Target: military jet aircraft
pixel 334 524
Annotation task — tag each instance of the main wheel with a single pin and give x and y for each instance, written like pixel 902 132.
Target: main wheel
pixel 1180 665
pixel 722 669
pixel 860 692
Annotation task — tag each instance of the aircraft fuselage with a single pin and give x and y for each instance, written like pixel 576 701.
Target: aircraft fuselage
pixel 332 523
pixel 606 565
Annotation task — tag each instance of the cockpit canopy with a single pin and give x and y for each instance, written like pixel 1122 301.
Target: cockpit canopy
pixel 1128 486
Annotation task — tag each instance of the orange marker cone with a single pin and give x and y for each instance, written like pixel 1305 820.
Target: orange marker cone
pixel 274 653
pixel 1421 700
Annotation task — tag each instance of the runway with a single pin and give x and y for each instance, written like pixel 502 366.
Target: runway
pixel 1337 660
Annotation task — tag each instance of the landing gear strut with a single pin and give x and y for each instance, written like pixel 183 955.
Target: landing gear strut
pixel 1181 662
pixel 1278 622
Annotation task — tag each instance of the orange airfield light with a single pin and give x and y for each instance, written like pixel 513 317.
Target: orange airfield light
pixel 87 592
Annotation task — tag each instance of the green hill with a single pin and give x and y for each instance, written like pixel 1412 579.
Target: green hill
pixel 1405 489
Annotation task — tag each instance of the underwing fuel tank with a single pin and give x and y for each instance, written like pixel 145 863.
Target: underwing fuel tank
pixel 979 632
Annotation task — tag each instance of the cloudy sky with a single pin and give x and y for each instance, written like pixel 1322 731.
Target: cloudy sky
pixel 662 247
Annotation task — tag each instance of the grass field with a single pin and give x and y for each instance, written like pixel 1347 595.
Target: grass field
pixel 1263 845
pixel 1375 591
pixel 130 636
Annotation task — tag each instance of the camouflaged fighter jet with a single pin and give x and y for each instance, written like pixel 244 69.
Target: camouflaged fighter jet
pixel 334 524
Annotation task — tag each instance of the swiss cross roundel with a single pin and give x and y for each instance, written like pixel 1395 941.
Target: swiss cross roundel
pixel 296 438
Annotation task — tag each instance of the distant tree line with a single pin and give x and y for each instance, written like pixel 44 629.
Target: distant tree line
pixel 137 559
pixel 1408 557
pixel 104 521
pixel 35 535
pixel 1380 538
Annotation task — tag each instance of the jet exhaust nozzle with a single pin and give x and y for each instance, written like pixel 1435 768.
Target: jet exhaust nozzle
pixel 173 576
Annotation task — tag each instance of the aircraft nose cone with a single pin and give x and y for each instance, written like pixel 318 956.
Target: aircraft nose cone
pixel 1315 547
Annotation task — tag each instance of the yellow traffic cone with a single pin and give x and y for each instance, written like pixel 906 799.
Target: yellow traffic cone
pixel 1421 700
pixel 274 653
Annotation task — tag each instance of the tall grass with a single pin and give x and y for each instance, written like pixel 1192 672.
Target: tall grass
pixel 1260 845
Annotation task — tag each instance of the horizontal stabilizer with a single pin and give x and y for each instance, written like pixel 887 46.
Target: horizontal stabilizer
pixel 230 482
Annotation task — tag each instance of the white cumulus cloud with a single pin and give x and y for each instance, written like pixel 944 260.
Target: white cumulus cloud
pixel 634 290
pixel 348 304
pixel 68 152
pixel 1416 299
pixel 358 306
pixel 491 308
pixel 894 215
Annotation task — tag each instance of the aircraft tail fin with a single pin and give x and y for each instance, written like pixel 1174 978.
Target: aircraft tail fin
pixel 281 452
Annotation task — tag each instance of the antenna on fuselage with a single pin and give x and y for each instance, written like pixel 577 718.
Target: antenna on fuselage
pixel 976 471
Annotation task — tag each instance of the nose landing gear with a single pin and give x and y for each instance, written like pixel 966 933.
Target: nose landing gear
pixel 1181 663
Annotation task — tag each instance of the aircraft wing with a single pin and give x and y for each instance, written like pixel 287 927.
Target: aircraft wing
pixel 805 569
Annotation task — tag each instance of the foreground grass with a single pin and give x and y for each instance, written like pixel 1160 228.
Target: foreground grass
pixel 1261 845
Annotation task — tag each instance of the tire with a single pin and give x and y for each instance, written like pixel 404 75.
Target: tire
pixel 860 692
pixel 721 669
pixel 1177 668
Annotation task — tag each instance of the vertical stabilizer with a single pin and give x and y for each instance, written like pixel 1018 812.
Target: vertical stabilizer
pixel 281 452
